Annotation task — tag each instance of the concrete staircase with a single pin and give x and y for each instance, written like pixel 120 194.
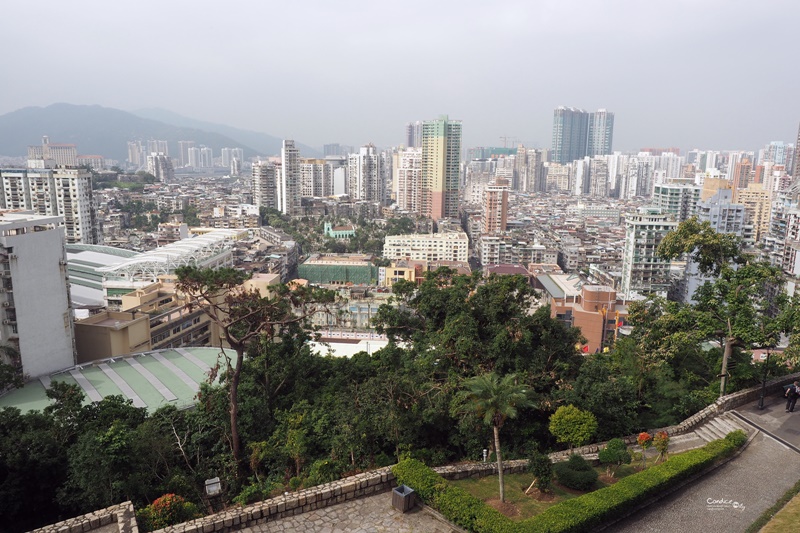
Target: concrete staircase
pixel 713 429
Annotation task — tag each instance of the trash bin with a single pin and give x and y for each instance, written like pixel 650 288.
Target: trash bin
pixel 403 498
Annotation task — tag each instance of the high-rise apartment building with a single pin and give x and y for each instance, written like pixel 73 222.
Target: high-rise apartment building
pixel 407 179
pixel 413 137
pixel 364 175
pixel 158 146
pixel 598 177
pixel 289 181
pixel 63 192
pixel 570 134
pixel 36 309
pixel 740 177
pixel 642 270
pixel 206 157
pixel 184 147
pixel 601 133
pixel 136 155
pixel 316 178
pixel 495 207
pixel 160 166
pixel 441 167
pixel 678 199
pixel 795 170
pixel 264 185
pixel 577 133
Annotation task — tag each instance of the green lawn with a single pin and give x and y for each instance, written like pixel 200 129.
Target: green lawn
pixel 487 488
pixel 786 519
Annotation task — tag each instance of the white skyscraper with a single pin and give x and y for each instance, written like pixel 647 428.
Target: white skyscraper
pixel 289 182
pixel 364 175
pixel 407 176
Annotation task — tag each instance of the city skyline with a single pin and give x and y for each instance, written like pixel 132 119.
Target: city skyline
pixel 663 70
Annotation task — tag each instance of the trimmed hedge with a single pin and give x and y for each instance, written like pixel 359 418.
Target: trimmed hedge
pixel 580 514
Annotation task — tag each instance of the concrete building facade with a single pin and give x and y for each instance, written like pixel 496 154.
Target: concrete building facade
pixel 642 271
pixel 36 309
pixel 450 246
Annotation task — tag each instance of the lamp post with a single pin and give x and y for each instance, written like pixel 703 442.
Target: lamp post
pixel 764 380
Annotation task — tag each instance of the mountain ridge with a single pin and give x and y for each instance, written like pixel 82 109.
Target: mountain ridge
pixel 106 131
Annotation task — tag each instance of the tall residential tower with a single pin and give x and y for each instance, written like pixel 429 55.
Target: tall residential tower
pixel 441 165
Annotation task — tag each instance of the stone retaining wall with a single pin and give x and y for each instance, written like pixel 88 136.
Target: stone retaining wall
pixel 349 488
pixel 115 518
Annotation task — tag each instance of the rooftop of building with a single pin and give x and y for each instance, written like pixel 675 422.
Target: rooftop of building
pixel 157 378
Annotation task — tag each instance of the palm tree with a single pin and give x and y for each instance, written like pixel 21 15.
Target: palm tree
pixel 495 399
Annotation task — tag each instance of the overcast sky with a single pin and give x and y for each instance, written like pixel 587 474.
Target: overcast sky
pixel 717 74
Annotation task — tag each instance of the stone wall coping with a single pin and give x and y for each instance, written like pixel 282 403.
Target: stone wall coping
pixel 123 514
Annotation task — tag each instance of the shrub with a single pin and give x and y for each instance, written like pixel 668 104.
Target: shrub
pixel 661 443
pixel 541 467
pixel 614 454
pixel 295 483
pixel 324 471
pixel 737 438
pixel 576 473
pixel 168 510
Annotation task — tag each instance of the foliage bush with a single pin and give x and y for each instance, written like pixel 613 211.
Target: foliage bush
pixel 613 455
pixel 168 510
pixel 540 465
pixel 255 492
pixel 324 471
pixel 576 473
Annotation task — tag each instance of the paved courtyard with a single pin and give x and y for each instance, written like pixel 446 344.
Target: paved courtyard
pixel 365 515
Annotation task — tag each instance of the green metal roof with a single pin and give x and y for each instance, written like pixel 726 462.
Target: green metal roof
pixel 151 379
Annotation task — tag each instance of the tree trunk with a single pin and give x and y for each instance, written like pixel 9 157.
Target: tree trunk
pixel 234 395
pixel 499 463
pixel 726 354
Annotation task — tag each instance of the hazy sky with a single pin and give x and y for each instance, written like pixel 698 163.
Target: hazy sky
pixel 719 74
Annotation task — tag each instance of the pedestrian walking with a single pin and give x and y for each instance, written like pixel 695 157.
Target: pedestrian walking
pixel 792 394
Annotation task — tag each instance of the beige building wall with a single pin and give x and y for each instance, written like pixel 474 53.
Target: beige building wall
pixel 111 333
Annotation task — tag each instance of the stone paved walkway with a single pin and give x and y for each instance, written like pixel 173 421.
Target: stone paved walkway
pixel 754 481
pixel 365 515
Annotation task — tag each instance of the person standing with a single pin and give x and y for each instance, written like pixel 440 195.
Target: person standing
pixel 791 396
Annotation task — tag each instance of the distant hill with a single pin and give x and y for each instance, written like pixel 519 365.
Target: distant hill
pixel 264 143
pixel 105 131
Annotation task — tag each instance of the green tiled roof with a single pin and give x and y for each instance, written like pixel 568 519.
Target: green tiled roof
pixel 154 379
